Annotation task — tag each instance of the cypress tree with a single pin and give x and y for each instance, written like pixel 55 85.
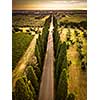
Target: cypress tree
pixel 37 71
pixel 33 78
pixel 58 49
pixel 22 90
pixel 59 61
pixel 37 54
pixel 56 36
pixel 41 47
pixel 64 64
pixel 32 89
pixel 62 86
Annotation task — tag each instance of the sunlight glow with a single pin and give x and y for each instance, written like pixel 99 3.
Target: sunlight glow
pixel 54 5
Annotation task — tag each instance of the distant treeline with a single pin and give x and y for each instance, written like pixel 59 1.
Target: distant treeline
pixel 46 12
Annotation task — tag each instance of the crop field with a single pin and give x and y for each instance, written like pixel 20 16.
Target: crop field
pixel 49 55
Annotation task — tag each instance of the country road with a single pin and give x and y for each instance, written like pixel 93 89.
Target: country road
pixel 47 82
pixel 19 69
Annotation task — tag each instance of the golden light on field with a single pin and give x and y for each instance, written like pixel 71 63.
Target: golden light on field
pixel 50 5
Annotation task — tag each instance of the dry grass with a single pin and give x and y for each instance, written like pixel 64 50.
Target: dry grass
pixel 77 82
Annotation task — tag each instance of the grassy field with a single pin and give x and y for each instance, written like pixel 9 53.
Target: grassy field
pixel 20 42
pixel 77 77
pixel 73 18
pixel 28 20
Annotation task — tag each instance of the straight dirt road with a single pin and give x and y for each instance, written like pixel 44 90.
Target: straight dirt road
pixel 23 61
pixel 47 83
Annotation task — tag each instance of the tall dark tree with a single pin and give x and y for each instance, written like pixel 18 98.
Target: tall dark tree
pixel 41 43
pixel 62 86
pixel 33 78
pixel 22 90
pixel 37 71
pixel 37 54
pixel 59 60
pixel 32 89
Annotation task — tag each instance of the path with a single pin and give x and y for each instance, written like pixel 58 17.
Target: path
pixel 47 83
pixel 19 69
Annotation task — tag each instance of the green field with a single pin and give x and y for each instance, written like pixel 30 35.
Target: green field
pixel 20 42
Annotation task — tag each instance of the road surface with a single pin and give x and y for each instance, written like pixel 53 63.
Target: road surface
pixel 19 69
pixel 47 82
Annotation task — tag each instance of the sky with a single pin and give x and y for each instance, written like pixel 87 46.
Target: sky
pixel 49 4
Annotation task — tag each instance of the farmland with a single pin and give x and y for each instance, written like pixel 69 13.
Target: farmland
pixel 49 52
pixel 19 45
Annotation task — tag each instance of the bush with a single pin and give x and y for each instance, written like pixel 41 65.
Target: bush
pixel 83 66
pixel 85 35
pixel 13 95
pixel 71 96
pixel 62 86
pixel 22 90
pixel 16 29
pixel 81 56
pixel 69 63
pixel 76 33
pixel 33 78
pixel 83 24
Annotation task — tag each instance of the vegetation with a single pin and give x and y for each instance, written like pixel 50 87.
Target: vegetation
pixel 37 54
pixel 38 72
pixel 60 63
pixel 59 60
pixel 33 78
pixel 26 21
pixel 32 89
pixel 23 90
pixel 56 36
pixel 81 48
pixel 75 35
pixel 20 43
pixel 62 89
pixel 74 24
pixel 31 82
pixel 41 44
pixel 71 96
pixel 27 87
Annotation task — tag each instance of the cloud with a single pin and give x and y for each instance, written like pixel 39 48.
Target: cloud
pixel 48 4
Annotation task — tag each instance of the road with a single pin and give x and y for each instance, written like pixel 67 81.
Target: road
pixel 47 82
pixel 19 69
